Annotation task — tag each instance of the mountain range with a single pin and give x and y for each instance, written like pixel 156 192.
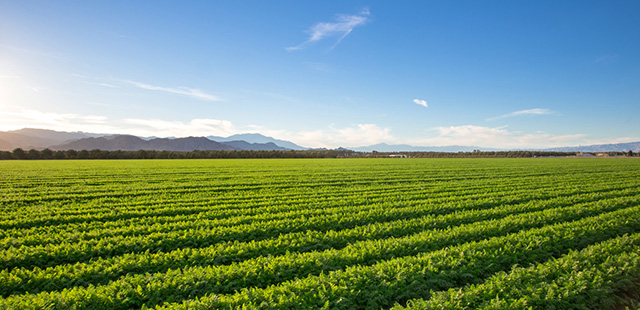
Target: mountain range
pixel 259 139
pixel 31 138
pixel 619 147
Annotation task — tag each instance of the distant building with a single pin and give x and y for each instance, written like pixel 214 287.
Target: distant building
pixel 398 156
pixel 581 154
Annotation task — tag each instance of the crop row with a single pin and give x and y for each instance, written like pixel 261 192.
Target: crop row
pixel 159 212
pixel 313 234
pixel 75 233
pixel 581 278
pixel 101 185
pixel 158 205
pixel 103 270
pixel 155 205
pixel 397 280
pixel 203 236
pixel 329 275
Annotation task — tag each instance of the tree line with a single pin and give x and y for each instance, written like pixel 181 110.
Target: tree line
pixel 509 154
pixel 34 154
pixel 153 154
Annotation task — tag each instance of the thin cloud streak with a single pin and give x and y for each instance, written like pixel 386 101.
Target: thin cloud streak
pixel 342 27
pixel 105 85
pixel 536 111
pixel 104 125
pixel 498 137
pixel 332 137
pixel 197 93
pixel 196 127
pixel 54 121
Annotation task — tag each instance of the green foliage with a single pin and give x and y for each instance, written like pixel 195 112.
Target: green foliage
pixel 245 154
pixel 579 280
pixel 319 234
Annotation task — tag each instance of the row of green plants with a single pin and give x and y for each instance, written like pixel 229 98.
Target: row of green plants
pixel 352 278
pixel 63 249
pixel 317 234
pixel 475 224
pixel 148 218
pixel 396 280
pixel 163 209
pixel 579 280
pixel 117 222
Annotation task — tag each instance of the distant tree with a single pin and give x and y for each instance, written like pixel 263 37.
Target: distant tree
pixel 141 154
pixel 97 154
pixel 5 155
pixel 630 153
pixel 33 154
pixel 46 154
pixel 59 155
pixel 70 154
pixel 83 154
pixel 19 154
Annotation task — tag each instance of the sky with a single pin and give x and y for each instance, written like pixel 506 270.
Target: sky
pixel 491 74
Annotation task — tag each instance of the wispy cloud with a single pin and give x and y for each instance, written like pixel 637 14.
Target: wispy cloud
pixel 498 137
pixel 522 112
pixel 197 93
pixel 51 120
pixel 92 80
pixel 332 137
pixel 342 27
pixel 106 85
pixel 102 124
pixel 421 102
pixel 196 127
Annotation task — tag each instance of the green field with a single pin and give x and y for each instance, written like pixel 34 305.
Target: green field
pixel 320 234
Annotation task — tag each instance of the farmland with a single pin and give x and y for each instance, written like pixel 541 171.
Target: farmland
pixel 320 234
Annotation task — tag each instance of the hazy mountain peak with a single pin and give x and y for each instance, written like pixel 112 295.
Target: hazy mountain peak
pixel 258 138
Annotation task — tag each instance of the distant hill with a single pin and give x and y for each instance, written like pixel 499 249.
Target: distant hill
pixel 244 145
pixel 133 143
pixel 258 138
pixel 30 138
pixel 619 147
pixel 185 144
pixel 57 135
pixel 4 145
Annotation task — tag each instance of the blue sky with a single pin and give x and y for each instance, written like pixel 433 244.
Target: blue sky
pixel 496 74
